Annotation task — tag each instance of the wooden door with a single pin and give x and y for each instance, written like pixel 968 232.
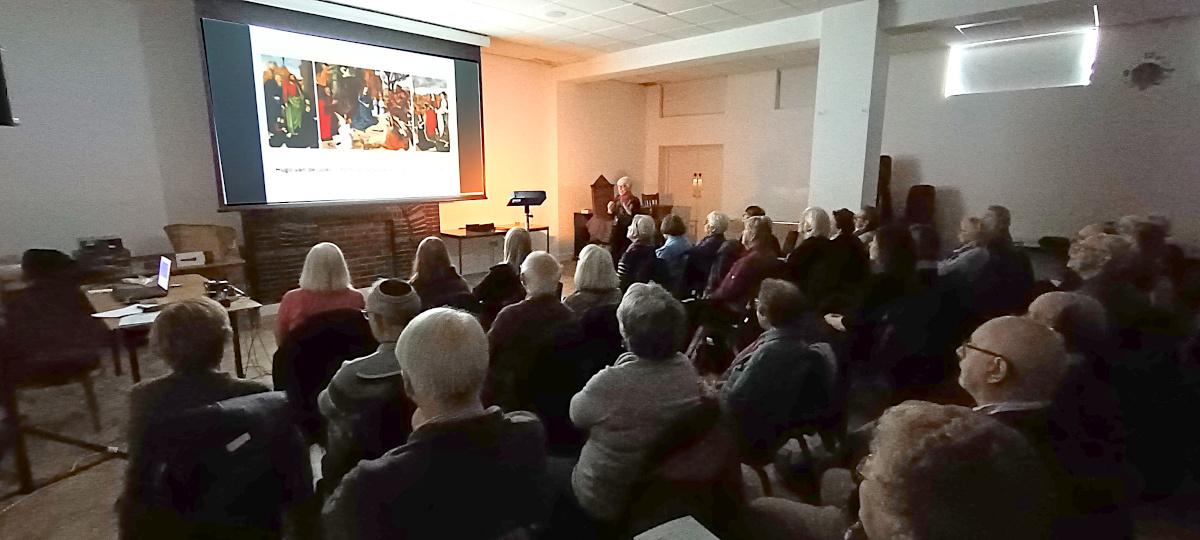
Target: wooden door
pixel 677 167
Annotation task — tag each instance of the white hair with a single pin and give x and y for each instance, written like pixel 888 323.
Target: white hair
pixel 517 246
pixel 718 223
pixel 816 220
pixel 443 355
pixel 541 273
pixel 626 180
pixel 642 228
pixel 595 270
pixel 325 269
pixel 651 320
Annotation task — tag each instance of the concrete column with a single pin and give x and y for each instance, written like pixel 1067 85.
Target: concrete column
pixel 848 126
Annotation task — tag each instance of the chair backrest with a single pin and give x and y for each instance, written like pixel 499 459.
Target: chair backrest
pixel 313 351
pixel 222 470
pixel 650 199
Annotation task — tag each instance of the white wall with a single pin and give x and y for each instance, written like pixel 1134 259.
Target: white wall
pixel 767 151
pixel 519 150
pixel 1058 158
pixel 114 136
pixel 601 131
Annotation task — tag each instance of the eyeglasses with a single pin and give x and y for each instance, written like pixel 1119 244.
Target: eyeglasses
pixel 962 351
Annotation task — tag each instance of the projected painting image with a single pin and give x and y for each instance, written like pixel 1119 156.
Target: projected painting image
pixel 364 109
pixel 431 110
pixel 288 98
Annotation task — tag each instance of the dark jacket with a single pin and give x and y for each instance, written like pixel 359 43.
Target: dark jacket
pixel 154 403
pixel 446 289
pixel 727 255
pixel 501 287
pixel 746 275
pixel 805 259
pixel 522 335
pixel 640 264
pixel 585 300
pixel 478 477
pixel 701 259
pixel 786 382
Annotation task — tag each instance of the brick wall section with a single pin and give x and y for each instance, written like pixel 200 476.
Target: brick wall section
pixel 277 241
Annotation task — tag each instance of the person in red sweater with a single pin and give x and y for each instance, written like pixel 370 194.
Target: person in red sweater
pixel 324 286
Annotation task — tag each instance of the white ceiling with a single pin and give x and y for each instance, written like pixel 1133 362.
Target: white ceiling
pixel 579 29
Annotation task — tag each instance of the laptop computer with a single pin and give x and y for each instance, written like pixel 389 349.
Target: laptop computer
pixel 130 293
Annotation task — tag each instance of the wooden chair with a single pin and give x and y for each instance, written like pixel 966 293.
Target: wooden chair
pixel 49 339
pixel 650 200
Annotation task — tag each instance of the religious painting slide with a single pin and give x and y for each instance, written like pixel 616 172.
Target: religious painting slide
pixel 288 100
pixel 432 114
pixel 363 109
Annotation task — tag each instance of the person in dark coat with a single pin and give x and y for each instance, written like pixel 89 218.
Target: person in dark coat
pixel 596 281
pixel 190 335
pixel 524 332
pixel 757 263
pixel 436 280
pixel 622 209
pixel 805 264
pixel 640 264
pixel 703 255
pixel 785 379
pixel 466 471
pixel 502 285
pixel 365 410
pixel 1014 369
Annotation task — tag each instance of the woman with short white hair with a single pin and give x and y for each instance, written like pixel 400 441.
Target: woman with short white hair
pixel 502 285
pixel 639 264
pixel 596 283
pixel 630 407
pixel 324 286
pixel 805 263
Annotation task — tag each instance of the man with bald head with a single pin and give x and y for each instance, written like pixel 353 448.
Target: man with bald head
pixel 1013 367
pixel 525 331
pixel 466 471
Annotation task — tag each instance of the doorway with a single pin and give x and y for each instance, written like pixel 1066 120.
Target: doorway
pixel 678 166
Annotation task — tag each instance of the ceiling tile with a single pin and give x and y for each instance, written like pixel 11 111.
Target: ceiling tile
pixel 542 11
pixel 506 19
pixel 690 31
pixel 650 39
pixel 592 6
pixel 591 23
pixel 671 6
pixel 554 32
pixel 662 24
pixel 595 41
pixel 628 14
pixel 624 33
pixel 702 15
pixel 617 46
pixel 510 5
pixel 774 14
pixel 728 24
pixel 744 7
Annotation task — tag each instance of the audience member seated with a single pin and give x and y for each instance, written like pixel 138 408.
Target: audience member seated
pixel 674 252
pixel 993 279
pixel 1100 261
pixel 622 209
pixel 927 246
pixel 639 264
pixel 757 263
pixel 942 472
pixel 628 408
pixel 502 285
pixel 1014 368
pixel 324 286
pixel 703 255
pixel 786 379
pixel 596 282
pixel 436 280
pixel 756 211
pixel 466 471
pixel 847 262
pixel 805 263
pixel 524 332
pixel 190 336
pixel 365 410
pixel 866 222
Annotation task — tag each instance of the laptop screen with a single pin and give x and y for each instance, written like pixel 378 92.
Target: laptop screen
pixel 164 273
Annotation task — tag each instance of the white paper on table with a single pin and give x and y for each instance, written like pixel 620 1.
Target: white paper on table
pixel 120 312
pixel 684 528
pixel 138 319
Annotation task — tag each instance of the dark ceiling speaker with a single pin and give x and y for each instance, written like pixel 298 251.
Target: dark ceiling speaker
pixel 6 116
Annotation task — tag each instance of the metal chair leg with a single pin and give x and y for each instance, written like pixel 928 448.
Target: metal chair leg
pixel 89 392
